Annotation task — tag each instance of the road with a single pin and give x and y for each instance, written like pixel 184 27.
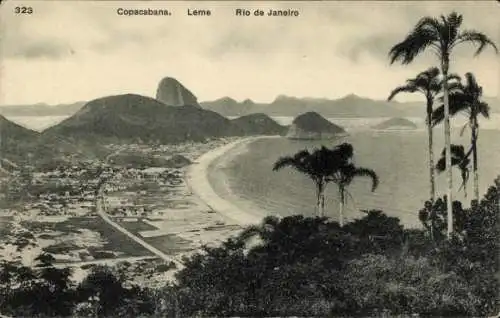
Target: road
pixel 102 213
pixel 107 261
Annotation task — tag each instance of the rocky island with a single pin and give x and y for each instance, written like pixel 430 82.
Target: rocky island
pixel 312 125
pixel 396 123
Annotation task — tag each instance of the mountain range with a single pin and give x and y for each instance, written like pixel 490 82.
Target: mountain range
pixel 349 106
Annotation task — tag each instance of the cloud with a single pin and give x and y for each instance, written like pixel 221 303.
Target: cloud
pixel 46 49
pixel 82 50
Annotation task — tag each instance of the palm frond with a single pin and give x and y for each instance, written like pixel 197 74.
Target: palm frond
pixel 365 172
pixel 344 151
pixel 298 161
pixel 441 165
pixel 284 162
pixel 484 109
pixel 402 89
pixel 471 82
pixel 454 87
pixel 462 130
pixel 423 36
pixel 449 27
pixel 454 77
pixel 459 158
pixel 430 73
pixel 476 38
pixel 458 102
pixel 437 115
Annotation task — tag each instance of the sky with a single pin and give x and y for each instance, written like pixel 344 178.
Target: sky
pixel 68 51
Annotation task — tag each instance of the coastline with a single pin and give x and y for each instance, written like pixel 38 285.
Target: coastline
pixel 198 183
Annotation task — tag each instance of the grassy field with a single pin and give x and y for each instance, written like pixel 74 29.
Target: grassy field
pixel 115 240
pixel 170 244
pixel 135 226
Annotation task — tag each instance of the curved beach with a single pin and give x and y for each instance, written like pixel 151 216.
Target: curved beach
pixel 198 183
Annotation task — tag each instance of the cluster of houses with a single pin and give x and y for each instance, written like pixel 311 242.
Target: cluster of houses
pixel 71 188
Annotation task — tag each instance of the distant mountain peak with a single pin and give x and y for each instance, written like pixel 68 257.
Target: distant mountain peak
pixel 351 96
pixel 226 99
pixel 171 92
pixel 282 97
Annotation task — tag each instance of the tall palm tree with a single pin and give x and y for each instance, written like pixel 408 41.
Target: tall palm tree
pixel 343 177
pixel 460 159
pixel 466 99
pixel 318 166
pixel 441 36
pixel 312 166
pixel 427 83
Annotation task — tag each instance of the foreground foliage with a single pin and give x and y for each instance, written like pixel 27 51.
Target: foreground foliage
pixel 296 266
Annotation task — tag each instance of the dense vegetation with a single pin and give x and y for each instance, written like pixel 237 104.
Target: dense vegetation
pixel 296 266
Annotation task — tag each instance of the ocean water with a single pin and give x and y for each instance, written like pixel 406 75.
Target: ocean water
pixel 37 123
pixel 245 177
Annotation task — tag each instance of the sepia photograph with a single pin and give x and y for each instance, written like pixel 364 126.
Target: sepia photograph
pixel 249 158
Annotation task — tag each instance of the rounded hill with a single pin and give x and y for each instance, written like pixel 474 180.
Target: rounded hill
pixel 136 118
pixel 312 125
pixel 396 123
pixel 258 124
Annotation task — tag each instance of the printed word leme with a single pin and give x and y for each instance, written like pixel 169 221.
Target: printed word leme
pixel 196 12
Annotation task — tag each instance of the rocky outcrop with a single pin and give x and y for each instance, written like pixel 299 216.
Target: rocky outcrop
pixel 171 92
pixel 312 125
pixel 396 123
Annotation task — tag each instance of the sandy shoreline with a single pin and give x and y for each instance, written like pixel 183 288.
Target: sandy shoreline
pixel 198 183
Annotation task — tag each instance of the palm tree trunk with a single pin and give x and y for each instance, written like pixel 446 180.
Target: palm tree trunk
pixel 320 204
pixel 431 162
pixel 447 140
pixel 323 203
pixel 341 206
pixel 318 200
pixel 431 152
pixel 474 161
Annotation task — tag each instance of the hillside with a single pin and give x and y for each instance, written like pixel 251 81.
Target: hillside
pixel 258 124
pixel 136 118
pixel 311 125
pixel 15 140
pixel 396 123
pixel 12 132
